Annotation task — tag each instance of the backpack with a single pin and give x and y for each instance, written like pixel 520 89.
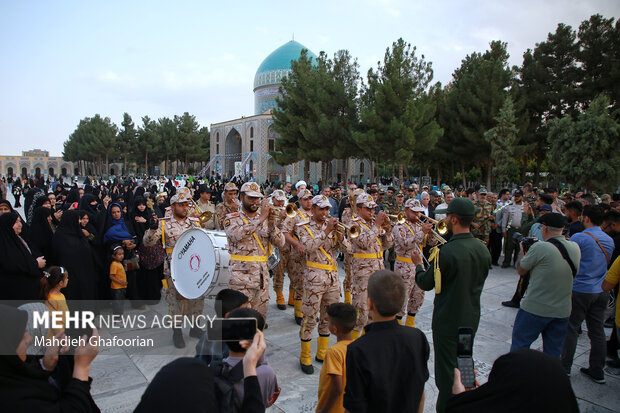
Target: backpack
pixel 225 378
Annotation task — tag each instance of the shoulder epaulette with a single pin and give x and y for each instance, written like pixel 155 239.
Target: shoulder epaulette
pixel 233 215
pixel 193 219
pixel 303 223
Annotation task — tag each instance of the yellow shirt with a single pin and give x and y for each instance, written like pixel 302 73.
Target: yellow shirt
pixel 56 302
pixel 335 363
pixel 613 277
pixel 118 271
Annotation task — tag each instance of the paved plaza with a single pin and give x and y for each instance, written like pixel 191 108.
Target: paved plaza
pixel 119 379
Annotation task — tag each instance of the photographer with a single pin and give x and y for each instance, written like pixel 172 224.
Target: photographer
pixel 546 306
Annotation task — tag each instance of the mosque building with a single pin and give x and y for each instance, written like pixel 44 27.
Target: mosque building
pixel 241 146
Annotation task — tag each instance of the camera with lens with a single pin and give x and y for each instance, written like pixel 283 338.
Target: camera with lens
pixel 152 222
pixel 526 241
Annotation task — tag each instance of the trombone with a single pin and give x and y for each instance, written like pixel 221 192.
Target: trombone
pixel 441 228
pixel 204 216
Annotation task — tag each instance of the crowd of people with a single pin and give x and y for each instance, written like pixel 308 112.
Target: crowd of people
pixel 111 241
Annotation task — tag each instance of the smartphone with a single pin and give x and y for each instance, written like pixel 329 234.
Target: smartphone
pixel 464 359
pixel 231 329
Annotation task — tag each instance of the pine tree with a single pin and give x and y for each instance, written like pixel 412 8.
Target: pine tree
pixel 502 138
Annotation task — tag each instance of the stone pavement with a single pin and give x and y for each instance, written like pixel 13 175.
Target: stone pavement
pixel 119 379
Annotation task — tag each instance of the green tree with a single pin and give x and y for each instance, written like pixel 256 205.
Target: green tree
pixel 188 144
pixel 317 112
pixel 93 140
pixel 168 141
pixel 503 138
pixel 397 116
pixel 478 91
pixel 126 139
pixel 148 142
pixel 585 150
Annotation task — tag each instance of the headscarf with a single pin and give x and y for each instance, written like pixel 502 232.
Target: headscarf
pixel 520 381
pixel 40 233
pixel 191 382
pixel 37 201
pixel 40 330
pixel 13 322
pixel 15 256
pixel 118 229
pixel 84 205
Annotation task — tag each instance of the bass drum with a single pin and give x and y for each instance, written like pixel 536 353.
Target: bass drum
pixel 199 264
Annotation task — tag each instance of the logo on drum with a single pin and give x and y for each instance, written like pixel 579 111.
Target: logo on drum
pixel 194 263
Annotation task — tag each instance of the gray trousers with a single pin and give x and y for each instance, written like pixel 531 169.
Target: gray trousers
pixel 590 307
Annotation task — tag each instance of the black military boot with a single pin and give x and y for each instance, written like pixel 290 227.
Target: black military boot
pixel 177 338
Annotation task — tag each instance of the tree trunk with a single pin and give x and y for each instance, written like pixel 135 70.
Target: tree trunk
pixel 306 170
pixel 125 164
pixel 107 164
pixel 146 162
pixel 401 172
pixel 463 173
pixel 438 178
pixel 489 173
pixel 166 165
pixel 185 166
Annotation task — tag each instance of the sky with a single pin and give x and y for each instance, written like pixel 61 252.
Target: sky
pixel 63 61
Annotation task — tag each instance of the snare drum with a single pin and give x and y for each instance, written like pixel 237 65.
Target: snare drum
pixel 199 264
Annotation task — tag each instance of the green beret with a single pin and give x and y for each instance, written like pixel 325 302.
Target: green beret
pixel 461 206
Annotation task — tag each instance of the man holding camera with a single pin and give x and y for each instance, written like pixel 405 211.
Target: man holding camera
pixel 546 306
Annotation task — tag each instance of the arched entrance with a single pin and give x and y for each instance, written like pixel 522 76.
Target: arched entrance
pixel 9 171
pixel 50 171
pixel 25 172
pixel 233 151
pixel 37 172
pixel 63 171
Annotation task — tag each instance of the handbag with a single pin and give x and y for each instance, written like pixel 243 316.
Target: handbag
pixel 131 264
pixel 152 256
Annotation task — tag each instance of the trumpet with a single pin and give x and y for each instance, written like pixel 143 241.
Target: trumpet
pixel 276 212
pixel 400 218
pixel 440 226
pixel 353 230
pixel 204 216
pixel 291 210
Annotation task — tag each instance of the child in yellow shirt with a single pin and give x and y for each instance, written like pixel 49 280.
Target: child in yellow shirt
pixel 55 279
pixel 118 279
pixel 333 379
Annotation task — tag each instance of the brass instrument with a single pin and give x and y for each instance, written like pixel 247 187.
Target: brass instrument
pixel 291 210
pixel 496 210
pixel 204 216
pixel 353 230
pixel 276 212
pixel 400 218
pixel 441 228
pixel 352 204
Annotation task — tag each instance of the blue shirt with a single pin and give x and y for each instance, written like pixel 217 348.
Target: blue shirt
pixel 536 231
pixel 593 264
pixel 333 210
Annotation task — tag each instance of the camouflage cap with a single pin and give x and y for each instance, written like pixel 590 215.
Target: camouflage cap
pixel 414 205
pixel 278 195
pixel 365 200
pixel 183 195
pixel 251 189
pixel 321 201
pixel 230 187
pixel 304 193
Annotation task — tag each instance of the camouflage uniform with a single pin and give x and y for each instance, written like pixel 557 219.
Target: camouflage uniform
pixel 393 209
pixel 371 241
pixel 298 261
pixel 321 285
pixel 248 243
pixel 224 209
pixel 285 264
pixel 559 206
pixel 346 218
pixel 407 237
pixel 483 218
pixel 172 230
pixel 208 207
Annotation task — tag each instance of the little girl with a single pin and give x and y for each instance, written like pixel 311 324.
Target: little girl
pixel 118 279
pixel 55 279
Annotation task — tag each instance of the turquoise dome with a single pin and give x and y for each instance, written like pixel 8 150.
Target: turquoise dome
pixel 278 63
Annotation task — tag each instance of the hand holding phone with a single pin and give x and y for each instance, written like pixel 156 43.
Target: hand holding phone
pixel 464 359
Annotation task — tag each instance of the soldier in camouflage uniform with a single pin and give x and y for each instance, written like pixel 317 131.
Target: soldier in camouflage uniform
pixel 375 237
pixel 228 206
pixel 278 198
pixel 205 205
pixel 321 282
pixel 169 231
pixel 394 209
pixel 410 235
pixel 298 254
pixel 481 225
pixel 249 235
pixel 347 219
